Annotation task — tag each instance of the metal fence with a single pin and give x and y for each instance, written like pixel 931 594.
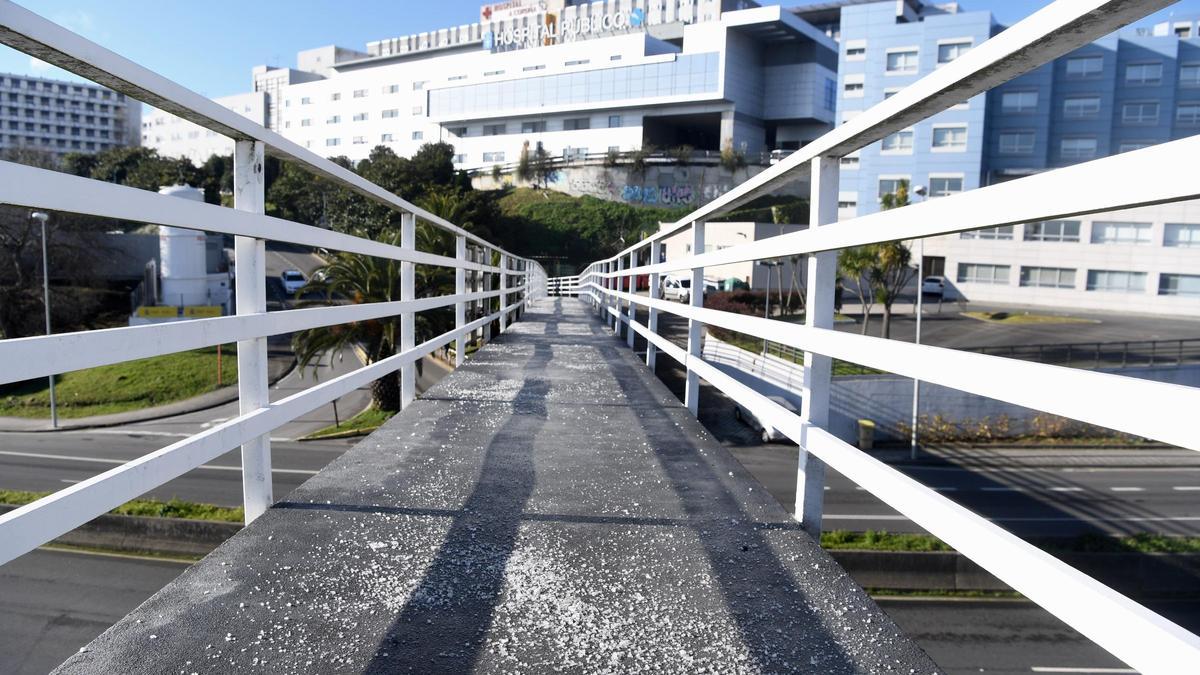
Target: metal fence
pixel 1111 354
pixel 489 282
pixel 1158 174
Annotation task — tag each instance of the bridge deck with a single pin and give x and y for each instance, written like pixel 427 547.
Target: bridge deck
pixel 549 506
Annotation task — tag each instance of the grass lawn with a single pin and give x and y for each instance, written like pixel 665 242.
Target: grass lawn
pixel 1025 318
pixel 146 507
pixel 122 386
pixel 360 425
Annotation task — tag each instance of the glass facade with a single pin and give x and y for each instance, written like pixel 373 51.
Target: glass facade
pixel 687 74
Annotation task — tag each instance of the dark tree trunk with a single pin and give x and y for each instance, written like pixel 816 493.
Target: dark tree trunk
pixel 385 392
pixel 887 320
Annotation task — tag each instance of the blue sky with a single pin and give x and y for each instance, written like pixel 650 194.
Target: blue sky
pixel 210 47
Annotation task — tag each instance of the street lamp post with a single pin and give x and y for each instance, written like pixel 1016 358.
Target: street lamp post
pixel 767 311
pixel 920 191
pixel 42 218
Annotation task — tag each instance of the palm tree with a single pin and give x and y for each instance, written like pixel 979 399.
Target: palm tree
pixel 856 263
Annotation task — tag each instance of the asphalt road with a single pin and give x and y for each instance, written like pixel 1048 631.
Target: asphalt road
pixel 52 603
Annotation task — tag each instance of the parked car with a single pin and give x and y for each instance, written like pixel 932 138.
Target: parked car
pixel 293 280
pixel 680 288
pixel 769 434
pixel 933 285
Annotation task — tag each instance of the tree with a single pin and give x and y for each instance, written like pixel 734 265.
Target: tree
pixel 543 166
pixel 525 164
pixel 856 263
pixel 892 269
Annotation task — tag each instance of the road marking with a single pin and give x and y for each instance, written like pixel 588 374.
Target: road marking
pixel 1128 489
pixel 100 460
pixel 1141 519
pixel 134 431
pixel 69 480
pixel 1068 669
pixel 1187 488
pixel 945 489
pixel 1066 489
pixel 1002 489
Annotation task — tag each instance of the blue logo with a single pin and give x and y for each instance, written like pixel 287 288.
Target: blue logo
pixel 636 17
pixel 489 40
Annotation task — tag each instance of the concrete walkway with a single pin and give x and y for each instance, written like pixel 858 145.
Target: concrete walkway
pixel 548 507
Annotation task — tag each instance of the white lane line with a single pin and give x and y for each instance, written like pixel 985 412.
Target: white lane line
pixel 945 489
pixel 1066 489
pixel 132 431
pixel 1128 489
pixel 68 480
pixel 1145 519
pixel 1068 669
pixel 1187 488
pixel 1002 489
pixel 100 460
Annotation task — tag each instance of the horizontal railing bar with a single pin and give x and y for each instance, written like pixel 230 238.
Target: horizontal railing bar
pixel 1131 632
pixel 32 187
pixel 1144 408
pixel 1093 187
pixel 30 33
pixel 27 527
pixel 1041 37
pixel 42 355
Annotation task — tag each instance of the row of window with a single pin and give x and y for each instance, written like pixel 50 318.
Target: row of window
pixel 62 117
pixel 1088 107
pixel 60 88
pixel 1116 281
pixel 1082 147
pixel 906 60
pixel 945 138
pixel 62 130
pixel 57 143
pixel 1175 235
pixel 62 104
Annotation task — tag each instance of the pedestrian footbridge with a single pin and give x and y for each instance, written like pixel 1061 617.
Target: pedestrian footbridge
pixel 550 506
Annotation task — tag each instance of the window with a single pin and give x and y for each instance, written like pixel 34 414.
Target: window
pixel 533 127
pixel 529 68
pixel 577 62
pixel 1019 101
pixel 418 135
pixel 386 138
pixel 459 159
pixel 493 73
pixel 418 110
pixel 577 123
pixel 1189 75
pixel 942 186
pixel 889 186
pixel 1130 146
pixel 856 53
pixel 1143 73
pixel 305 100
pixel 830 101
pixel 950 138
pixel 949 51
pixel 390 113
pixel 1081 108
pixel 494 129
pixel 461 132
pixel 360 93
pixel 333 119
pixel 1188 113
pixel 614 121
pixel 847 205
pixel 899 142
pixel 1182 235
pixel 853 89
pixel 1077 148
pixel 999 233
pixel 335 96
pixel 418 85
pixel 306 123
pixel 359 140
pixel 1120 233
pixel 1119 282
pixel 1048 277
pixel 333 141
pixel 1016 143
pixel 850 162
pixel 1052 230
pixel 391 89
pixel 455 78
pixel 902 62
pixel 360 117
pixel 493 156
pixel 1085 66
pixel 1183 32
pixel 1139 113
pixel 1187 285
pixel 615 57
pixel 975 273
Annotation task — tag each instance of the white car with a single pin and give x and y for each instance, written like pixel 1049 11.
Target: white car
pixel 680 288
pixel 293 280
pixel 933 286
pixel 769 434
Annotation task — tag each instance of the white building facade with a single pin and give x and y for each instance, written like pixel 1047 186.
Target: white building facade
pixel 58 117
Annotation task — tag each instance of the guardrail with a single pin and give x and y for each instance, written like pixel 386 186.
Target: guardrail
pixel 1110 354
pixel 1134 634
pixel 562 286
pixel 499 282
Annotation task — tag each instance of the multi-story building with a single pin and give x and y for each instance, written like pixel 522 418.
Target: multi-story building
pixel 176 137
pixel 1121 93
pixel 62 117
pixel 576 77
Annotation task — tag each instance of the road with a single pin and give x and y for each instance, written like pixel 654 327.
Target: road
pixel 53 602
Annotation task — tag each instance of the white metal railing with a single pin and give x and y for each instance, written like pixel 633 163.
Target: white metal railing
pixel 1159 174
pixel 562 286
pixel 500 285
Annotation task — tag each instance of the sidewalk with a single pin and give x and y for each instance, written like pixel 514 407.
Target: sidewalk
pixel 1000 456
pixel 279 363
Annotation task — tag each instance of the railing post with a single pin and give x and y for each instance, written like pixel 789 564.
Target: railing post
pixel 619 286
pixel 460 307
pixel 250 264
pixel 408 324
pixel 691 392
pixel 503 292
pixel 486 256
pixel 814 408
pixel 632 306
pixel 652 315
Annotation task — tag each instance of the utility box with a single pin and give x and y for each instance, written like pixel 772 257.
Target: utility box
pixel 866 434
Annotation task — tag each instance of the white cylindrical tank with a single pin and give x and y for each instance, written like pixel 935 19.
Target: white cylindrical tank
pixel 182 254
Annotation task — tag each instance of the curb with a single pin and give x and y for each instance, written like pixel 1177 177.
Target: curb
pixel 141 534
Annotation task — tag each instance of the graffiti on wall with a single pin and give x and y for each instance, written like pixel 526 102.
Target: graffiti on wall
pixel 640 189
